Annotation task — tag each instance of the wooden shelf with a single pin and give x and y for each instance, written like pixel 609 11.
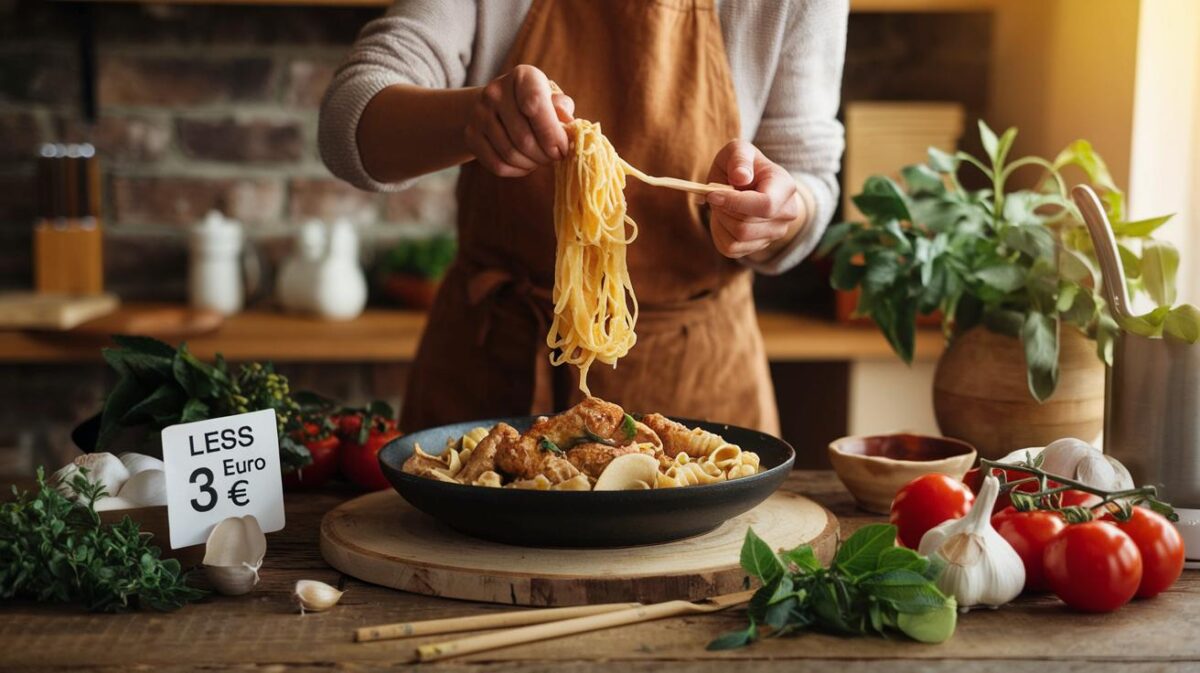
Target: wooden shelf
pixel 382 335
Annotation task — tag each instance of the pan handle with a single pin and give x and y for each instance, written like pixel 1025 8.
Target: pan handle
pixel 1111 269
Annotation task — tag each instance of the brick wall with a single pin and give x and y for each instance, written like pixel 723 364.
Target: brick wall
pixel 216 106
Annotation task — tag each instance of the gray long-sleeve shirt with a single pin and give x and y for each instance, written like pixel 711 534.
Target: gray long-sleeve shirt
pixel 785 56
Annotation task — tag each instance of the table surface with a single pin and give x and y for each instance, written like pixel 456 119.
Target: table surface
pixel 263 632
pixel 392 335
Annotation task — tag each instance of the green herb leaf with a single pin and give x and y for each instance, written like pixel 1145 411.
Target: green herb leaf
pixel 144 345
pixel 1183 324
pixel 942 162
pixel 905 590
pixel 759 560
pixel 546 445
pixel 1039 336
pixel 991 144
pixel 802 557
pixel 1003 277
pixel 593 437
pixel 735 639
pixel 1140 228
pixel 1160 262
pixel 629 426
pixel 901 558
pixel 860 553
pixel 882 199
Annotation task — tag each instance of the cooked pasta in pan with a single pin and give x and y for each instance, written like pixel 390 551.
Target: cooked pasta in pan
pixel 592 446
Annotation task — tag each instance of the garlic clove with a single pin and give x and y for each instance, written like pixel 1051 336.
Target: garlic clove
pixel 104 469
pixel 140 462
pixel 234 542
pixel 314 596
pixel 147 488
pixel 112 502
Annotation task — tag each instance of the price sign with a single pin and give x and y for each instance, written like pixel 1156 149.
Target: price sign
pixel 220 468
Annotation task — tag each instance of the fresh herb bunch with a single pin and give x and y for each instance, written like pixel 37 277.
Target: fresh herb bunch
pixel 1050 487
pixel 53 549
pixel 161 386
pixel 1020 262
pixel 421 257
pixel 872 586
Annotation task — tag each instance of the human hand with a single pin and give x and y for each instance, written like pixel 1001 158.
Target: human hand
pixel 516 125
pixel 766 210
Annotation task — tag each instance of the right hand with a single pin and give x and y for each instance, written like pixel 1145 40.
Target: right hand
pixel 517 123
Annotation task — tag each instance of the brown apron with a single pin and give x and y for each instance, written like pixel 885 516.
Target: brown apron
pixel 656 77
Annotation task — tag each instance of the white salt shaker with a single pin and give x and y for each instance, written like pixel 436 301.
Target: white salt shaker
pixel 215 273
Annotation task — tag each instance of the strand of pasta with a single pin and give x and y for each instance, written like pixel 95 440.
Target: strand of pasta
pixel 595 309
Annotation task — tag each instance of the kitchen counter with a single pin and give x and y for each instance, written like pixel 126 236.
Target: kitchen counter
pixel 263 628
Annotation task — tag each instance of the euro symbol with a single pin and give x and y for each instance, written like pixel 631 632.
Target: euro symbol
pixel 237 493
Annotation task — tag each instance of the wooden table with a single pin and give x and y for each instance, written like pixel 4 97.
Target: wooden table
pixel 263 632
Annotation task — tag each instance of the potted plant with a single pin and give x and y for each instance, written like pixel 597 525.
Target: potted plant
pixel 1014 276
pixel 410 272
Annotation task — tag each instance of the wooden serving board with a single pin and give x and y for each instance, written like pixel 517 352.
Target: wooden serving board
pixel 380 538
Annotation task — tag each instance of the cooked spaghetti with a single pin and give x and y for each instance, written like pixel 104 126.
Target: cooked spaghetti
pixel 595 309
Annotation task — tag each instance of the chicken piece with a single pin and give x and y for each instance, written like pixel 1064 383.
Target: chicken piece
pixel 591 458
pixel 591 415
pixel 642 434
pixel 678 438
pixel 523 457
pixel 483 456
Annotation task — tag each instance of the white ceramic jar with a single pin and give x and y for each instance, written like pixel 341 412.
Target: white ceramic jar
pixel 215 272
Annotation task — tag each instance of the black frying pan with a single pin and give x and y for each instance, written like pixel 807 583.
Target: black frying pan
pixel 585 519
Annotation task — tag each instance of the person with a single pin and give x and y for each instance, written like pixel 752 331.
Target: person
pixel 741 92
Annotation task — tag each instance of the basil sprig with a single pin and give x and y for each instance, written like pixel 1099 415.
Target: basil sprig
pixel 871 587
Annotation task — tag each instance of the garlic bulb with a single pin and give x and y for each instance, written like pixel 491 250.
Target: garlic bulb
pixel 147 488
pixel 982 568
pixel 315 596
pixel 1076 459
pixel 104 469
pixel 233 555
pixel 140 462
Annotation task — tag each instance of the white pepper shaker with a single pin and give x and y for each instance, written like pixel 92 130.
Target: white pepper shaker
pixel 215 274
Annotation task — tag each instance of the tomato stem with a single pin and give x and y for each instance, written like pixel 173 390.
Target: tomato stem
pixel 1147 494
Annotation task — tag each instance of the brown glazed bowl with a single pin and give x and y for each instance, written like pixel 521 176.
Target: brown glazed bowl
pixel 874 467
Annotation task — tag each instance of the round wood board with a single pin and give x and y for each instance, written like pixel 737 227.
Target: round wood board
pixel 380 538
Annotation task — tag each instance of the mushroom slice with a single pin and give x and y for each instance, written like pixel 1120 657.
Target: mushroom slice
pixel 632 471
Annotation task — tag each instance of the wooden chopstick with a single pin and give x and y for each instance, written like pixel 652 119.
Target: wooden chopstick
pixel 528 634
pixel 480 622
pixel 674 183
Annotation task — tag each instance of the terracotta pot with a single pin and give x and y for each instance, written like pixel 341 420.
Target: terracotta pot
pixel 980 393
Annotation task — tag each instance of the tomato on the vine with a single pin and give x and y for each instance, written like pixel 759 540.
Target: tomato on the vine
pixel 926 502
pixel 323 445
pixel 1029 533
pixel 1161 548
pixel 364 432
pixel 1075 498
pixel 1093 566
pixel 974 480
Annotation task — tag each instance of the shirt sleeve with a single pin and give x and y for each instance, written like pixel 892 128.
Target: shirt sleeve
pixel 424 43
pixel 799 128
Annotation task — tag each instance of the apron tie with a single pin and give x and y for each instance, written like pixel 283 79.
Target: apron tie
pixel 482 289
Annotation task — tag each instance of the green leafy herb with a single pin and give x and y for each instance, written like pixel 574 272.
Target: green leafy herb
pixel 546 445
pixel 421 257
pixel 871 587
pixel 159 386
pixel 59 551
pixel 1019 262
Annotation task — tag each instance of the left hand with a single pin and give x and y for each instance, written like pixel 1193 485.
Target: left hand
pixel 763 214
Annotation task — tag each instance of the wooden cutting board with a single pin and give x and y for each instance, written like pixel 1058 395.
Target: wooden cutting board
pixel 380 538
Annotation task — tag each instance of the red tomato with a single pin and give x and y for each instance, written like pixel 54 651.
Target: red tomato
pixel 974 480
pixel 1028 533
pixel 1074 498
pixel 324 449
pixel 1093 566
pixel 1161 549
pixel 927 501
pixel 360 462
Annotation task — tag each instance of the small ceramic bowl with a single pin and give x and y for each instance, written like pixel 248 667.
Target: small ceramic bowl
pixel 873 468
